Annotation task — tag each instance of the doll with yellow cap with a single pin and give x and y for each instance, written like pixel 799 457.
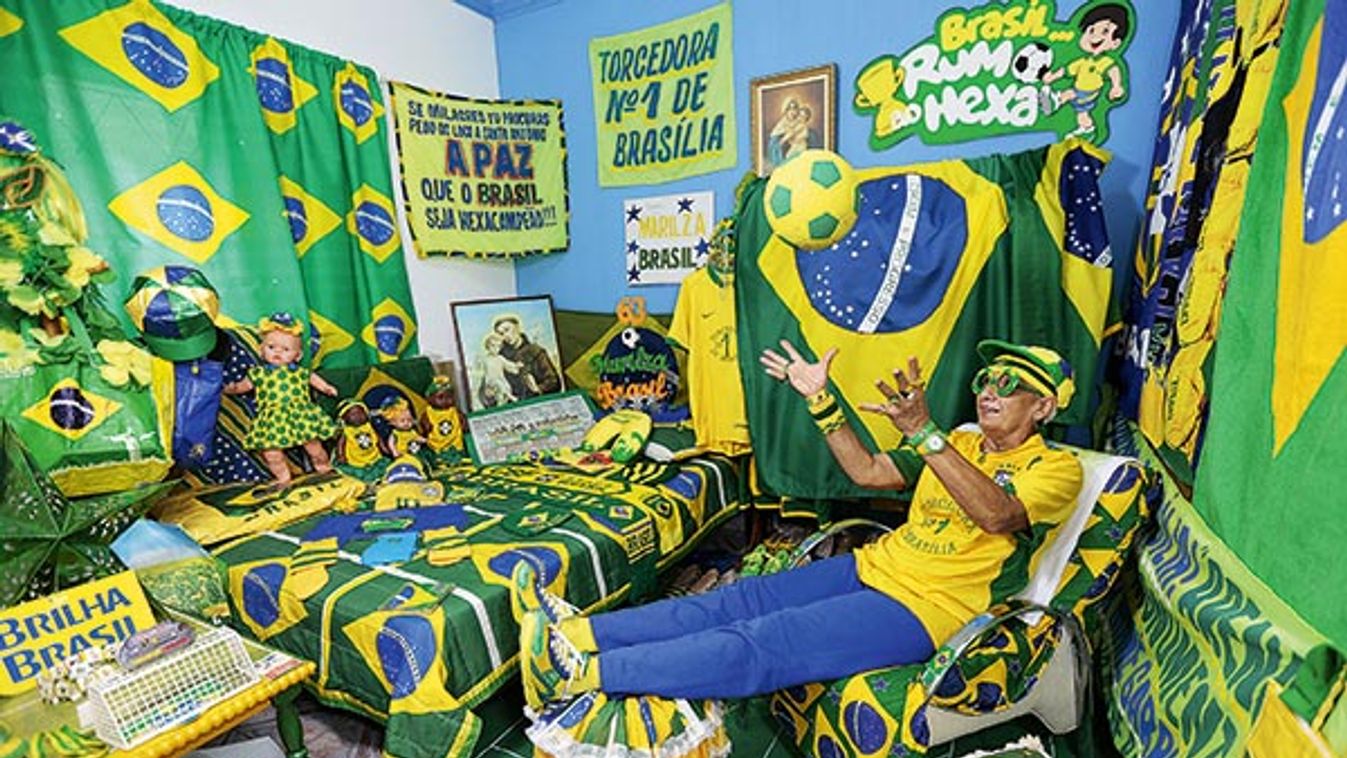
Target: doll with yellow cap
pixel 286 415
pixel 358 450
pixel 404 438
pixel 440 422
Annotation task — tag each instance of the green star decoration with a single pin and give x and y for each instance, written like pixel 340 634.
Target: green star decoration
pixel 48 541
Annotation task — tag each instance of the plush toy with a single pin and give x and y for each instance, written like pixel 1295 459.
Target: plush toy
pixel 358 450
pixel 286 416
pixel 403 436
pixel 441 423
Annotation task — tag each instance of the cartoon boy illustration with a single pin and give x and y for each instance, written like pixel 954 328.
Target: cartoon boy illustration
pixel 1103 29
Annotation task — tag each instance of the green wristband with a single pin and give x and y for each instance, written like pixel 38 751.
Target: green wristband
pixel 921 434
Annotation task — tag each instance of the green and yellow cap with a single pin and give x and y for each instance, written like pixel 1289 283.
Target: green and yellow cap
pixel 174 308
pixel 1041 369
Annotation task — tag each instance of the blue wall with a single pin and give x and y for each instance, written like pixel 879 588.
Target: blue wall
pixel 544 54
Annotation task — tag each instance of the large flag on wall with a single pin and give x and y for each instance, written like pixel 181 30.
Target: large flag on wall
pixel 1008 246
pixel 193 141
pixel 1270 479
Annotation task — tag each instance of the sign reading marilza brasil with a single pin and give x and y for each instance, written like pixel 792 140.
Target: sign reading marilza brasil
pixel 664 100
pixel 667 237
pixel 1005 67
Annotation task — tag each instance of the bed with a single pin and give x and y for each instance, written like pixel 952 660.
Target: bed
pixel 402 602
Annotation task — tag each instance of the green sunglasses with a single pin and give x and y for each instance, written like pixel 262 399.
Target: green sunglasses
pixel 1003 381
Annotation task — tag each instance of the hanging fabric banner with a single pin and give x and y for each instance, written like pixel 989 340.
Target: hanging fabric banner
pixel 664 100
pixel 481 178
pixel 667 237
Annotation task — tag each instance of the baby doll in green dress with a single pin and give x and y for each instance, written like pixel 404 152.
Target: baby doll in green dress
pixel 286 416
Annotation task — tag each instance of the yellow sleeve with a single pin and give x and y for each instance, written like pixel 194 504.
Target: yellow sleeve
pixel 1073 68
pixel 1048 487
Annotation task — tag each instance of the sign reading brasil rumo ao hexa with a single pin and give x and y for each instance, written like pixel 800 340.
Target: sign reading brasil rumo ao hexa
pixel 1002 68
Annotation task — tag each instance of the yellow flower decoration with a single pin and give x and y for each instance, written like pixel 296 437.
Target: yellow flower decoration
pixel 11 272
pixel 15 355
pixel 83 264
pixel 49 341
pixel 123 362
pixel 15 237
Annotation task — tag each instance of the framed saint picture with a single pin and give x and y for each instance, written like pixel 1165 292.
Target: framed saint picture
pixel 508 349
pixel 791 112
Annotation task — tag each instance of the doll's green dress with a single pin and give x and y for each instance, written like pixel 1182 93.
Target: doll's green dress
pixel 286 416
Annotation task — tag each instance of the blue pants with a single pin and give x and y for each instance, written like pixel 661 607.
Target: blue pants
pixel 758 635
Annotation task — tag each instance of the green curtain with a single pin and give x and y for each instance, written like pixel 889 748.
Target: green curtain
pixel 192 141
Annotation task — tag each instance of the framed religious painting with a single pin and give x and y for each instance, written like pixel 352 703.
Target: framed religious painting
pixel 792 112
pixel 508 348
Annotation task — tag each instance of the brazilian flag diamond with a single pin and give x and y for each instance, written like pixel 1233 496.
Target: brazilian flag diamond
pixel 373 222
pixel 358 107
pixel 310 220
pixel 71 410
pixel 178 208
pixel 137 43
pixel 390 330
pixel 280 91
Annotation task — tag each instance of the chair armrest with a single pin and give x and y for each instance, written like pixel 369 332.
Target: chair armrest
pixel 979 628
pixel 803 550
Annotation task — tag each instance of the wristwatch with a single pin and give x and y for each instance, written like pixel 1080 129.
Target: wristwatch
pixel 933 443
pixel 928 439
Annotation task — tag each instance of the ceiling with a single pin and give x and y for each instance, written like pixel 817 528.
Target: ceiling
pixel 499 9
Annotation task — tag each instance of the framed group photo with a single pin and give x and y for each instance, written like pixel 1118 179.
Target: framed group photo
pixel 792 112
pixel 508 348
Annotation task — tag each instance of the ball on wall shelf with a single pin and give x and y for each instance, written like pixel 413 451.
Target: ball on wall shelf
pixel 811 199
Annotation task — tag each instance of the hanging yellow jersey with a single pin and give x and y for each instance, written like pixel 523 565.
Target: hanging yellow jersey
pixel 703 323
pixel 942 565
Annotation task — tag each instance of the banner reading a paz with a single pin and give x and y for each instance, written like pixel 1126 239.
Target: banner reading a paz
pixel 664 100
pixel 481 178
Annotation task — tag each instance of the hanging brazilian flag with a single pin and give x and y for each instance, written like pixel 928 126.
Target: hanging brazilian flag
pixel 1268 479
pixel 191 141
pixel 942 255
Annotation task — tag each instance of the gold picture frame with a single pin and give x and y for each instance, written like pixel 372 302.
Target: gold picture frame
pixel 791 111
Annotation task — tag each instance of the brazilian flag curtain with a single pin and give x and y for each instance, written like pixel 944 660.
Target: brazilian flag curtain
pixel 1270 477
pixel 192 141
pixel 942 255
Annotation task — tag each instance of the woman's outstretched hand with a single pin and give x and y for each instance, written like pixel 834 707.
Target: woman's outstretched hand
pixel 807 378
pixel 906 406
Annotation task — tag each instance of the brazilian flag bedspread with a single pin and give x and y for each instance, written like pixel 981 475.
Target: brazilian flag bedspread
pixel 404 602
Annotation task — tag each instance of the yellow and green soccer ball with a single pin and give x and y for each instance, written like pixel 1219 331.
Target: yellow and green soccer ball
pixel 811 199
